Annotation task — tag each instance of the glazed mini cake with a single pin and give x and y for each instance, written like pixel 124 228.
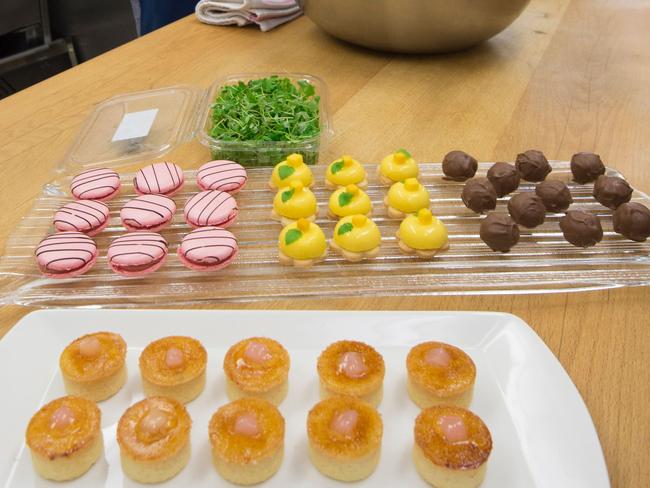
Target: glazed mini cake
pixel 351 368
pixel 247 438
pixel 440 374
pixel 174 367
pixel 154 439
pixel 93 366
pixel 345 171
pixel 344 438
pixel 452 446
pixel 257 367
pixel 65 438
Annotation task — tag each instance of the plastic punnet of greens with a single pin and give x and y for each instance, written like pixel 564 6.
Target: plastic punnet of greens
pixel 259 122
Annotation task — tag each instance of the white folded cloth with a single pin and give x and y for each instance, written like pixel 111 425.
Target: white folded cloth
pixel 268 14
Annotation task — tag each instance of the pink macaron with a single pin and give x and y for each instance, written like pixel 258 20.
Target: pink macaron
pixel 148 213
pixel 222 175
pixel 66 254
pixel 137 253
pixel 160 179
pixel 95 184
pixel 208 249
pixel 87 216
pixel 211 208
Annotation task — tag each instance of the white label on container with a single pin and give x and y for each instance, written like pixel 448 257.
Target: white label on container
pixel 135 124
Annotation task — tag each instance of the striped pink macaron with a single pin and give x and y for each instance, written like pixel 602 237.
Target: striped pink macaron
pixel 222 175
pixel 160 179
pixel 148 213
pixel 208 249
pixel 137 254
pixel 87 216
pixel 66 254
pixel 211 208
pixel 95 184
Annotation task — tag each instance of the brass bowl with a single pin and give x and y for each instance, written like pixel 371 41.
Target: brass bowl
pixel 414 26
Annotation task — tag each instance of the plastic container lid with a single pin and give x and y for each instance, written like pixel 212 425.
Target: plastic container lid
pixel 135 127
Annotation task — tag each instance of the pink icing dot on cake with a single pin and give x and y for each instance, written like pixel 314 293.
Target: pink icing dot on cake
pixel 352 365
pixel 453 428
pixel 247 425
pixel 95 184
pixel 221 175
pixel 159 178
pixel 211 208
pixel 137 253
pixel 208 248
pixel 148 212
pixel 87 216
pixel 66 254
pixel 345 422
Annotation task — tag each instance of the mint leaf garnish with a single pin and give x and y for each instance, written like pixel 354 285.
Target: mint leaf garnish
pixel 345 228
pixel 345 198
pixel 292 236
pixel 285 171
pixel 286 195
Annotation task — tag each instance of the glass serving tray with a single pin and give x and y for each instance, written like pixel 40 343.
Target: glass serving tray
pixel 542 262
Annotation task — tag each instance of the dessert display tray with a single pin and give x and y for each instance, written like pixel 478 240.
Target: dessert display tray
pixel 542 262
pixel 542 432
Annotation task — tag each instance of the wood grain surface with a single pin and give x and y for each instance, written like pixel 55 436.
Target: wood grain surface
pixel 569 75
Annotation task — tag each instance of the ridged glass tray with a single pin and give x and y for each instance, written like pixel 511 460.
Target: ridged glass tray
pixel 542 262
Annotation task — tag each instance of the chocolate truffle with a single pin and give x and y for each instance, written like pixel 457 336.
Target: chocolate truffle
pixel 555 195
pixel 504 178
pixel 581 229
pixel 459 166
pixel 586 167
pixel 612 191
pixel 533 165
pixel 632 220
pixel 479 195
pixel 527 209
pixel 499 231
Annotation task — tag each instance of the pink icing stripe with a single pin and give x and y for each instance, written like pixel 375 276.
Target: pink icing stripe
pixel 159 178
pixel 210 208
pixel 65 252
pixel 83 216
pixel 95 184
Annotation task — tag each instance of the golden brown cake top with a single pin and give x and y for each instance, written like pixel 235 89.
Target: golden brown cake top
pixel 344 427
pixel 93 356
pixel 246 430
pixel 63 426
pixel 173 360
pixel 453 437
pixel 351 368
pixel 154 428
pixel 257 364
pixel 441 368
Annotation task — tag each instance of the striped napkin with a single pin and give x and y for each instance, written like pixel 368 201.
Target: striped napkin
pixel 268 14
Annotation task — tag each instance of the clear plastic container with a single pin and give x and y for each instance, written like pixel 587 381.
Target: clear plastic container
pixel 266 153
pixel 178 115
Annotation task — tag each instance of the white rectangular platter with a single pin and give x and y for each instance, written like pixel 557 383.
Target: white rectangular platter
pixel 542 432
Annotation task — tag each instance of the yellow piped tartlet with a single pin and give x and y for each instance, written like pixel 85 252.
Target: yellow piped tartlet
pixel 291 169
pixel 405 198
pixel 356 237
pixel 349 200
pixel 294 202
pixel 345 171
pixel 422 234
pixel 397 167
pixel 302 243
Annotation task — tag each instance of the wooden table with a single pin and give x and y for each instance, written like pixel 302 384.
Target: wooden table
pixel 569 75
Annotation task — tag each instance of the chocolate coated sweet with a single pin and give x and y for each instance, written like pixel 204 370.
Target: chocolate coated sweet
pixel 612 191
pixel 479 195
pixel 499 231
pixel 632 220
pixel 533 165
pixel 504 177
pixel 527 209
pixel 581 229
pixel 459 166
pixel 586 167
pixel 555 195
